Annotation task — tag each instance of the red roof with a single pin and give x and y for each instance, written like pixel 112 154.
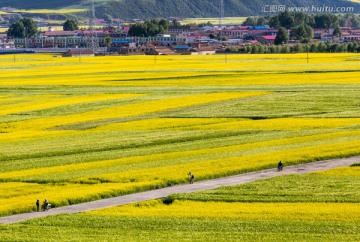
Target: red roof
pixel 269 37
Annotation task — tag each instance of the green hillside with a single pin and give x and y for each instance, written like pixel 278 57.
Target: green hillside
pixel 129 9
pixel 38 4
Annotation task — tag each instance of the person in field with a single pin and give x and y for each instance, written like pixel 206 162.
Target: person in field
pixel 45 205
pixel 191 177
pixel 280 166
pixel 37 205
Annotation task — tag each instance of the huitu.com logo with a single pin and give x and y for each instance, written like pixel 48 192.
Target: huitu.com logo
pixel 307 9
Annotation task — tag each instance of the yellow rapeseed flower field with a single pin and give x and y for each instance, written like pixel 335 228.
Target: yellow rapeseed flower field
pixel 50 11
pixel 281 211
pixel 51 101
pixel 310 207
pixel 80 129
pixel 232 124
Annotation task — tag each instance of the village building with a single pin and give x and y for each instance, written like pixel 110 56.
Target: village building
pixel 3 35
pixel 6 43
pixel 233 33
pixel 52 33
pixel 202 50
pixel 351 38
pixel 182 49
pixel 127 50
pixel 78 53
pixel 123 43
pixel 318 34
pixel 161 50
pixel 266 39
pixel 180 30
pixel 135 50
pixel 327 38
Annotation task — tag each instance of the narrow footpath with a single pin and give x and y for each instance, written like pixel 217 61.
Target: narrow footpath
pixel 186 188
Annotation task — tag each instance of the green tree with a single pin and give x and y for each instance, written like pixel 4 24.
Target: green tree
pixel 247 49
pixel 282 37
pixel 326 21
pixel 274 22
pixel 298 48
pixel 137 29
pixel 164 23
pixel 261 49
pixel 355 23
pixel 250 21
pixel 70 25
pixel 209 23
pixel 353 47
pixel 286 19
pixel 277 49
pixel 149 28
pixel 267 49
pixel 261 21
pixel 285 49
pixel 24 28
pixel 175 23
pixel 30 27
pixel 337 31
pixel 232 49
pixel 16 30
pixel 271 49
pixel 321 47
pixel 313 47
pixel 350 20
pixel 299 32
pixel 343 47
pixel 254 49
pixel 300 18
pixel 304 33
pixel 309 31
pixel 108 41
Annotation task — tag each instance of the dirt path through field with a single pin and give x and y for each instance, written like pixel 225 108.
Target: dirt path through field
pixel 196 186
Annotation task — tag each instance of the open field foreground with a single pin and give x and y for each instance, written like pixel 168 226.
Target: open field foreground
pixel 321 206
pixel 81 129
pixel 187 188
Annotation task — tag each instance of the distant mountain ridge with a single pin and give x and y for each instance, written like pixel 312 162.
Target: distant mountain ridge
pixel 130 9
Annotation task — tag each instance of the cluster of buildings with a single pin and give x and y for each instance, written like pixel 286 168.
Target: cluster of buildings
pixel 188 39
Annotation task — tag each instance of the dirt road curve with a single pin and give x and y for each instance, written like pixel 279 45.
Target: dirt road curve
pixel 197 186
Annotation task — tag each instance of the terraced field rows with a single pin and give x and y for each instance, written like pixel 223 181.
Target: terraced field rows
pixel 75 130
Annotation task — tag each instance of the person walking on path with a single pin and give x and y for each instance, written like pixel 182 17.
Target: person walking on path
pixel 45 205
pixel 191 177
pixel 37 205
pixel 280 166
